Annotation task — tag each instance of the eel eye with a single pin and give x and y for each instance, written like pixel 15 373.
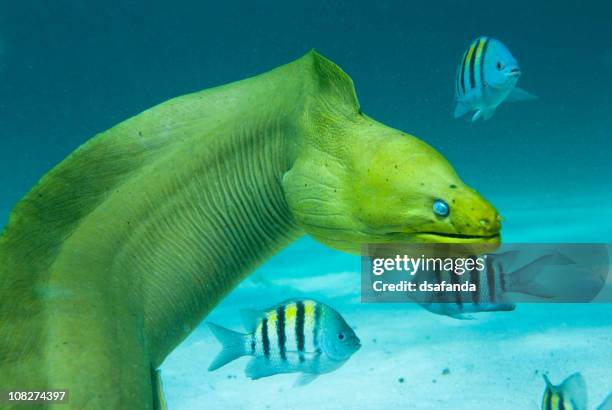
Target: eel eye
pixel 441 208
pixel 500 65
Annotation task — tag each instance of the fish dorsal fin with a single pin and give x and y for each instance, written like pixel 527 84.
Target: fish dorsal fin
pixel 548 383
pixel 518 94
pixel 607 403
pixel 250 318
pixel 503 260
pixel 574 388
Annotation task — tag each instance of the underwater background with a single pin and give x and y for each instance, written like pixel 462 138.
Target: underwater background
pixel 70 69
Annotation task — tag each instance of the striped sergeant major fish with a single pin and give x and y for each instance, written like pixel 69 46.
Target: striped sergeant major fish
pixel 487 76
pixel 569 395
pixel 492 284
pixel 302 336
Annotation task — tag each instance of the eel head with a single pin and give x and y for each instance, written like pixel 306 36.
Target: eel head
pixel 360 182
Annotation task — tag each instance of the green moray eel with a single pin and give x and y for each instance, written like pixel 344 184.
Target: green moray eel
pixel 120 251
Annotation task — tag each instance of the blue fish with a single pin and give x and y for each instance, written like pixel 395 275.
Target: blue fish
pixel 301 336
pixel 486 77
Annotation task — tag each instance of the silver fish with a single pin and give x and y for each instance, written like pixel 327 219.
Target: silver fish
pixel 302 336
pixel 492 284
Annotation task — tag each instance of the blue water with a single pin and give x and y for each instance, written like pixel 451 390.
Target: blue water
pixel 71 69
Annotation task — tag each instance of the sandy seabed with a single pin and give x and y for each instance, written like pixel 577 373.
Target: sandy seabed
pixel 411 358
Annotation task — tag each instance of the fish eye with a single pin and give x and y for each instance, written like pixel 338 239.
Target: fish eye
pixel 500 65
pixel 341 336
pixel 441 208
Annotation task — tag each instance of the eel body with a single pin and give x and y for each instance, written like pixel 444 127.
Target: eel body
pixel 120 251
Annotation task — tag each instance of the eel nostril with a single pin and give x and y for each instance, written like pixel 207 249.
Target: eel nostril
pixel 484 222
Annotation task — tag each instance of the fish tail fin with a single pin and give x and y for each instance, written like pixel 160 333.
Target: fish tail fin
pixel 233 346
pixel 524 279
pixel 607 403
pixel 575 387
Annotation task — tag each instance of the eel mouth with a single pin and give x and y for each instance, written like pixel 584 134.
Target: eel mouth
pixel 443 237
pixel 458 235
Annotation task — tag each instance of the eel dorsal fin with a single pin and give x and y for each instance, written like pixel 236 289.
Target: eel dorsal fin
pixel 64 196
pixel 84 179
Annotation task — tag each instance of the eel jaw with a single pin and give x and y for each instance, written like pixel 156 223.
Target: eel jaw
pixel 434 237
pixel 454 244
pixel 445 237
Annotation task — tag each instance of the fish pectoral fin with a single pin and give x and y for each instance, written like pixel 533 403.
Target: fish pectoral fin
pixel 607 403
pixel 461 109
pixel 484 113
pixel 518 94
pixel 304 379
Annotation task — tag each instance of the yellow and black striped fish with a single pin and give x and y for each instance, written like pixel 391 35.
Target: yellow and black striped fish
pixel 503 273
pixel 470 75
pixel 302 336
pixel 569 395
pixel 487 76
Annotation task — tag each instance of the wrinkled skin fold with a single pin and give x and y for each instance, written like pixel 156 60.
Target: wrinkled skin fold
pixel 123 248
